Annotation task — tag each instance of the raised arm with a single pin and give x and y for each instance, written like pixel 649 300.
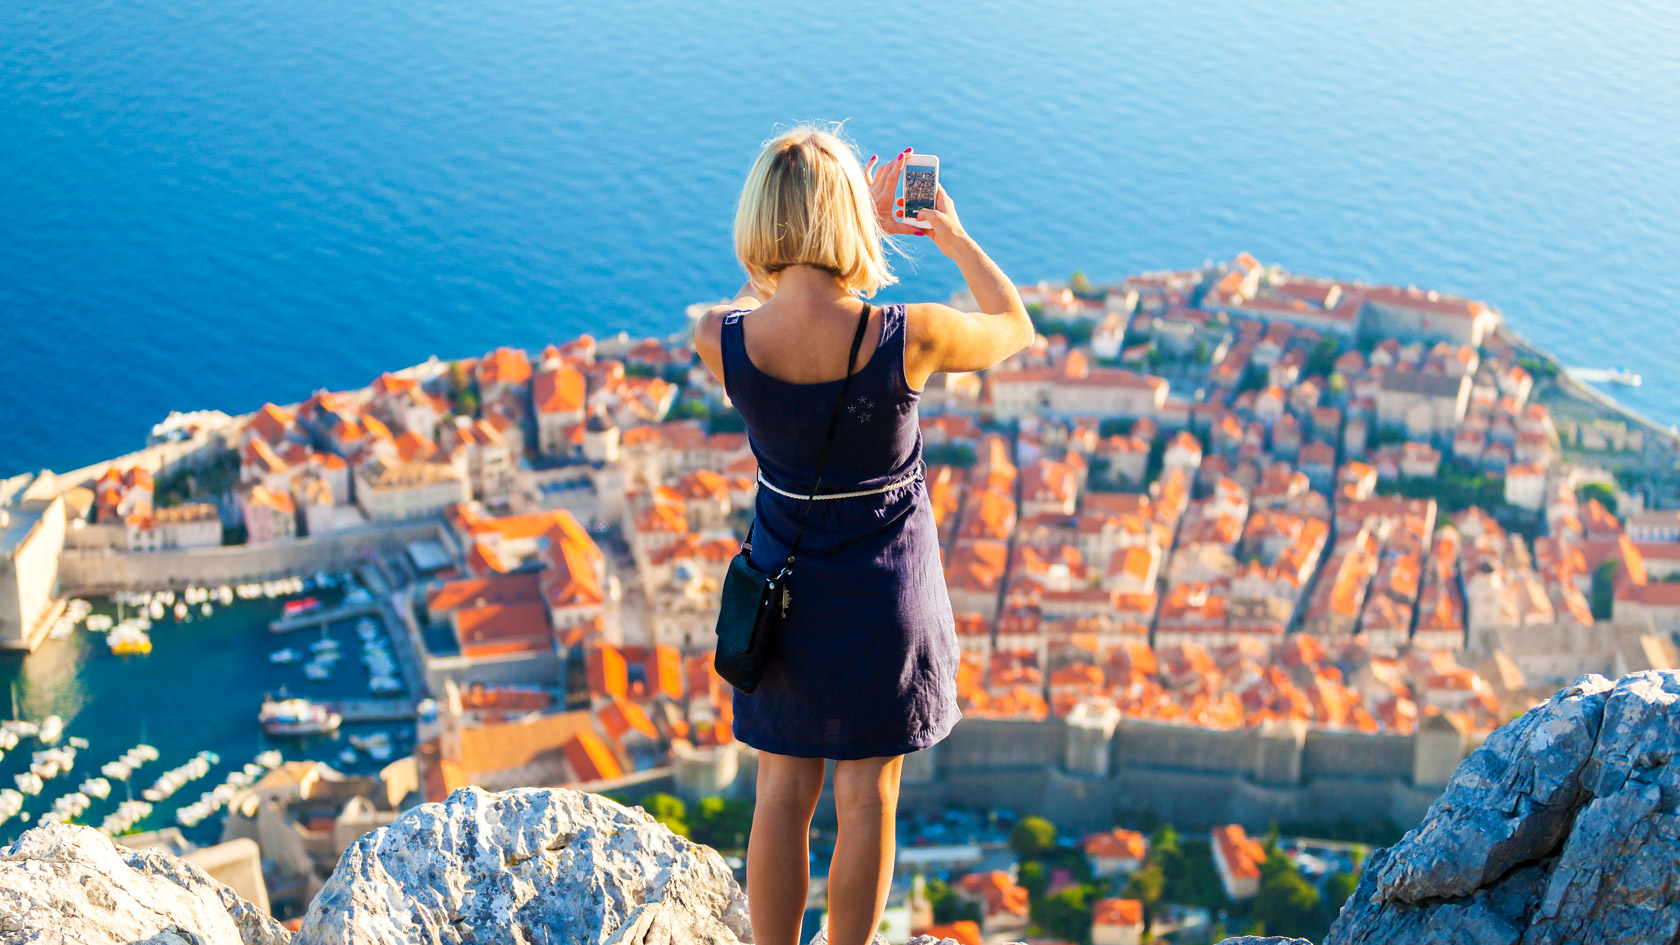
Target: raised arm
pixel 942 338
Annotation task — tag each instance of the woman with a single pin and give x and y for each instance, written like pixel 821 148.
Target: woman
pixel 862 669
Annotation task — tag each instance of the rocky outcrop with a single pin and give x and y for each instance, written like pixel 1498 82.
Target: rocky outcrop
pixel 66 884
pixel 1563 827
pixel 542 867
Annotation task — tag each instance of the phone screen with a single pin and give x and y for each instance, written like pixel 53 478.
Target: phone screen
pixel 921 182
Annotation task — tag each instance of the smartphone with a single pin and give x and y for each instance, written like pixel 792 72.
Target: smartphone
pixel 921 184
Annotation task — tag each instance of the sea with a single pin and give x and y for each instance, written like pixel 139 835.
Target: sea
pixel 199 689
pixel 213 203
pixel 217 203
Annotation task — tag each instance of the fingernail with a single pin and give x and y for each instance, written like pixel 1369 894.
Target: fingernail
pixel 906 150
pixel 873 156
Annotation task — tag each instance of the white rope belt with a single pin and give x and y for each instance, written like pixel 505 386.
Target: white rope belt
pixel 840 495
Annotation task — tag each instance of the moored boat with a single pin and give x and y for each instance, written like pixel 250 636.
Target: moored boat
pixel 297 717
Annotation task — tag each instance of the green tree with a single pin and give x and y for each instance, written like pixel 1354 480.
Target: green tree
pixel 1192 878
pixel 1031 837
pixel 1078 282
pixel 1322 360
pixel 722 823
pixel 668 810
pixel 1146 884
pixel 465 391
pixel 726 421
pixel 1604 590
pixel 1033 878
pixel 1164 842
pixel 1067 914
pixel 1286 902
pixel 1338 889
pixel 949 907
pixel 1601 492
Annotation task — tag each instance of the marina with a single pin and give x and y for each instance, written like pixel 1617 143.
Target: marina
pixel 143 740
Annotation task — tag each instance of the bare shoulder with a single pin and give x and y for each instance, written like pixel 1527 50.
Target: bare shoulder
pixel 708 338
pixel 708 331
pixel 923 321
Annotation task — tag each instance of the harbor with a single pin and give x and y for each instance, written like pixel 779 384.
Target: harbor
pixel 107 732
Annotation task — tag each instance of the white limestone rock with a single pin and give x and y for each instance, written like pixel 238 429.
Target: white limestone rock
pixel 62 884
pixel 527 867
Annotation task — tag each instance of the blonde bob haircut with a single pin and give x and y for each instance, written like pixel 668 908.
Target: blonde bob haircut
pixel 806 202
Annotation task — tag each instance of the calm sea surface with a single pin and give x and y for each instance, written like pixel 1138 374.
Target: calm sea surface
pixel 200 688
pixel 211 203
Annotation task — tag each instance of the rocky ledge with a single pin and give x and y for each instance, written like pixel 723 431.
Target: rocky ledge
pixel 1561 828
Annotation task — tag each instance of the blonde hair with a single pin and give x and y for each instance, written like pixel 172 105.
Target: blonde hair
pixel 806 202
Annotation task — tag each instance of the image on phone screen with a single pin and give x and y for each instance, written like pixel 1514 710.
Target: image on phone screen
pixel 920 185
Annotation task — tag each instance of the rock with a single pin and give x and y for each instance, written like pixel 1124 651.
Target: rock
pixel 1618 877
pixel 1563 827
pixel 61 883
pixel 1493 916
pixel 1510 802
pixel 533 867
pixel 1264 940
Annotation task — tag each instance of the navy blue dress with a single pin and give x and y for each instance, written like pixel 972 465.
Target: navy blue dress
pixel 864 665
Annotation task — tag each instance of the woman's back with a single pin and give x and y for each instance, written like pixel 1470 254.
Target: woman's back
pixel 787 404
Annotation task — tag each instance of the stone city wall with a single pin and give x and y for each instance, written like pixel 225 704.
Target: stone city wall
pixel 86 571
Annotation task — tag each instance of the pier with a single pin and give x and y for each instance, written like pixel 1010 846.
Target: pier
pixel 326 615
pixel 375 710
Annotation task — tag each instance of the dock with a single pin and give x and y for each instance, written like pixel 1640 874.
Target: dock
pixel 317 618
pixel 375 710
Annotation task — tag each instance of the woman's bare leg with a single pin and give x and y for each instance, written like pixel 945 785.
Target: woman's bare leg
pixel 778 849
pixel 866 800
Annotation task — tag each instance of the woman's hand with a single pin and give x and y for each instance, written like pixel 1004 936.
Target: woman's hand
pixel 883 183
pixel 947 231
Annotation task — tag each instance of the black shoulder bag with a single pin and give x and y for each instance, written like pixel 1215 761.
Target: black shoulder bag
pixel 753 601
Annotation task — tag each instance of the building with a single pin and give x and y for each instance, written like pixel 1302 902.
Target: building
pixel 1525 486
pixel 390 490
pixel 1003 903
pixel 1238 859
pixel 1654 525
pixel 1115 852
pixel 269 514
pixel 31 537
pixel 1117 922
pixel 1421 402
pixel 558 395
pixel 1426 314
pixel 188 525
pixel 1075 388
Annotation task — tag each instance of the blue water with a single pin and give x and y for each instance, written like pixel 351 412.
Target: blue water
pixel 200 688
pixel 210 203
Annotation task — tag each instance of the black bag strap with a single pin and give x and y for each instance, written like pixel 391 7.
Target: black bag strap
pixel 833 424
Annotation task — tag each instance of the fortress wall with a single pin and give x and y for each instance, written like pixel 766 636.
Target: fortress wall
pixel 1139 742
pixel 1002 743
pixel 1194 778
pixel 1330 754
pixel 83 572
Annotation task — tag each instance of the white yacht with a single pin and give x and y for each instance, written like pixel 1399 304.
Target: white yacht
pixel 52 729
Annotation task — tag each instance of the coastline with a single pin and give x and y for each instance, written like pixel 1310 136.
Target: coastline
pixel 1580 390
pixel 1584 391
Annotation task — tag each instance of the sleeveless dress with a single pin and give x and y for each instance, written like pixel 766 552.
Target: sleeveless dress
pixel 864 664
